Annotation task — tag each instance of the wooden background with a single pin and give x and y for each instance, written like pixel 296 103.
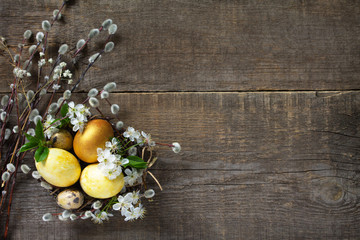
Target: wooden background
pixel 264 97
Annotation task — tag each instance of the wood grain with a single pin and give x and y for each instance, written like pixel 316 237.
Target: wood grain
pixel 207 45
pixel 253 166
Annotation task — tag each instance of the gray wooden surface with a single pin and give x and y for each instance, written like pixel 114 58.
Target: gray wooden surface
pixel 263 96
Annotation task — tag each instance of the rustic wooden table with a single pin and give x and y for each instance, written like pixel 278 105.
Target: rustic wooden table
pixel 264 97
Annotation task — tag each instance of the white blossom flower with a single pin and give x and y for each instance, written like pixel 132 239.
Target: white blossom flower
pixel 123 202
pixel 131 176
pixel 133 212
pixel 50 126
pixel 50 60
pixel 100 216
pixel 47 217
pixel 131 133
pixel 67 73
pixel 56 86
pixel 147 139
pixel 133 196
pixel 62 64
pixel 113 145
pixel 78 124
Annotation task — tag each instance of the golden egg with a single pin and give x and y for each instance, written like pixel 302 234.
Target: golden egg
pixel 95 134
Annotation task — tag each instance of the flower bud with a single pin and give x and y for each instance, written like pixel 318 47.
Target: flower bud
pixel 16 129
pixel 36 175
pixel 94 102
pixel 93 92
pixel 46 185
pixel 39 36
pixel 27 34
pixel 176 147
pixel 47 217
pixel 25 168
pixel 5 176
pixel 63 49
pixel 109 47
pixel 53 108
pixel 93 33
pixel 46 26
pixel 94 57
pixel 4 100
pixel 104 94
pixel 32 49
pixel 80 43
pixel 119 125
pixel 56 13
pixel 109 87
pixel 112 29
pixel 115 109
pixel 37 119
pixel 3 116
pixel 33 114
pixel 106 24
pixel 29 95
pixel 149 193
pixel 10 167
pixel 7 133
pixel 67 94
pixel 42 92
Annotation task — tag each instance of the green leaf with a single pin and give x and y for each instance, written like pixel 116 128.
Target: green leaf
pixel 41 154
pixel 39 131
pixel 64 109
pixel 135 158
pixel 32 139
pixel 136 162
pixel 28 146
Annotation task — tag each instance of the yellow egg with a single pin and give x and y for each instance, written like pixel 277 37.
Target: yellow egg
pixel 60 168
pixel 97 185
pixel 96 133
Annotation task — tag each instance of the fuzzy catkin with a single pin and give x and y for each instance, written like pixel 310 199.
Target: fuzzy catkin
pixel 80 43
pixel 106 24
pixel 67 94
pixel 27 34
pixel 94 57
pixel 114 109
pixel 112 29
pixel 63 49
pixel 94 102
pixel 93 92
pixel 104 94
pixel 93 33
pixel 109 47
pixel 46 26
pixel 109 87
pixel 39 36
pixel 4 100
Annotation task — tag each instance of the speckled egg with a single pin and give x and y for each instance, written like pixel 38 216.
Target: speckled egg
pixel 70 199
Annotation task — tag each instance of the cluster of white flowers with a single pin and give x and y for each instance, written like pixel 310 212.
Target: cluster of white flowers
pixel 133 176
pixel 78 115
pixel 111 163
pixel 100 216
pixel 50 126
pixel 21 73
pixel 134 135
pixel 128 206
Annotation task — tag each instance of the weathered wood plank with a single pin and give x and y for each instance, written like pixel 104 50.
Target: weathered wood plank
pixel 208 45
pixel 253 166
